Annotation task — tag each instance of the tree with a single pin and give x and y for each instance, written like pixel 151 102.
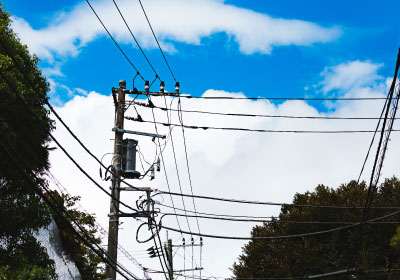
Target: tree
pixel 299 257
pixel 23 212
pixel 25 127
pixel 90 265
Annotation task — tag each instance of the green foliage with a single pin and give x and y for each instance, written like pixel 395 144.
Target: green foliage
pixel 23 213
pixel 328 252
pixel 90 265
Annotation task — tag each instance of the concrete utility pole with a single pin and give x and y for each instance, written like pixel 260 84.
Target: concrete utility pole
pixel 170 261
pixel 112 248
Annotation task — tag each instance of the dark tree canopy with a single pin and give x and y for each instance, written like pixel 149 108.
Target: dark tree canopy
pixel 23 213
pixel 25 127
pixel 298 257
pixel 90 265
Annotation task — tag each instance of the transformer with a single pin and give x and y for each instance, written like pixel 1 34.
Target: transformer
pixel 129 159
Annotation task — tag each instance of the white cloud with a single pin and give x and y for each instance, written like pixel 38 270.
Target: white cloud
pixel 353 74
pixel 253 166
pixel 175 20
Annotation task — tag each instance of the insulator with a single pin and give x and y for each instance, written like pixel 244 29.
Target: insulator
pixel 162 86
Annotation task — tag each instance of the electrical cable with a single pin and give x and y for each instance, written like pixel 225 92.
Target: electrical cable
pixel 134 38
pixel 379 157
pixel 271 220
pixel 256 115
pixel 59 145
pixel 282 236
pixel 258 130
pixel 102 230
pixel 176 166
pixel 268 203
pixel 16 63
pixel 180 116
pixel 115 42
pixel 57 211
pixel 163 164
pixel 155 37
pixel 277 98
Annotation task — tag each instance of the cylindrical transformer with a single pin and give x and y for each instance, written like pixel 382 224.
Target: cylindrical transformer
pixel 129 159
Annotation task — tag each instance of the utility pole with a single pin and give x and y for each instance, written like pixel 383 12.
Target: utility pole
pixel 168 252
pixel 170 262
pixel 124 166
pixel 113 224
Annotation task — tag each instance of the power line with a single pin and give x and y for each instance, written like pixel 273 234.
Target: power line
pixel 282 236
pixel 257 130
pixel 180 116
pixel 273 220
pixel 277 98
pixel 115 42
pixel 269 203
pixel 59 145
pixel 16 63
pixel 134 38
pixel 380 154
pixel 155 37
pixel 163 164
pixel 176 166
pixel 99 251
pixel 103 231
pixel 256 115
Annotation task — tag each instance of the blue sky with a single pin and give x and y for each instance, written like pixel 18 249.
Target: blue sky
pixel 368 32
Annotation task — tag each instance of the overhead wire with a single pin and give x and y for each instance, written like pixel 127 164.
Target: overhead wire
pixel 277 98
pixel 164 168
pixel 256 115
pixel 99 251
pixel 380 156
pixel 176 166
pixel 134 38
pixel 17 64
pixel 59 145
pixel 272 219
pixel 282 236
pixel 101 229
pixel 155 37
pixel 258 130
pixel 115 42
pixel 168 117
pixel 268 203
pixel 180 116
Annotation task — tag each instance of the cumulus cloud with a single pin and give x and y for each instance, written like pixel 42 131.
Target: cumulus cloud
pixel 353 74
pixel 253 166
pixel 174 21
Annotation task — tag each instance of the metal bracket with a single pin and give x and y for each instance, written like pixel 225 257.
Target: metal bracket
pixel 116 129
pixel 132 215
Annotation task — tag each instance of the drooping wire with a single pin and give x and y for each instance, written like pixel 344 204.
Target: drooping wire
pixel 134 38
pixel 34 88
pixel 155 37
pixel 99 251
pixel 271 219
pixel 283 236
pixel 266 202
pixel 379 157
pixel 101 229
pixel 257 115
pixel 277 98
pixel 163 164
pixel 115 42
pixel 258 130
pixel 176 165
pixel 59 145
pixel 180 116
